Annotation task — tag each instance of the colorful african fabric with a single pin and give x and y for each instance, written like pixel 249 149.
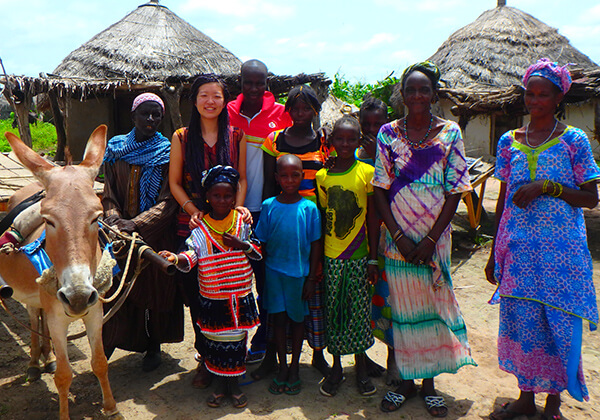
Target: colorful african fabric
pixel 343 198
pixel 381 310
pixel 313 155
pixel 226 301
pixel 347 306
pixel 541 255
pixel 270 118
pixel 428 330
pixel 210 160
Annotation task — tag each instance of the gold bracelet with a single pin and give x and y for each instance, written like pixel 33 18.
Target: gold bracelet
pixel 545 186
pixel 431 239
pixel 176 259
pixel 560 190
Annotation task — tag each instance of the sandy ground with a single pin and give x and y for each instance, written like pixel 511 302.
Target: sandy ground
pixel 167 394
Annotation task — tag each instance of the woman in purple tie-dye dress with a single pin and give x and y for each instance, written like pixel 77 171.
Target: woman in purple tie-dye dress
pixel 420 174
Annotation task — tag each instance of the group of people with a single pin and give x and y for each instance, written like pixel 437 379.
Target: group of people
pixel 250 190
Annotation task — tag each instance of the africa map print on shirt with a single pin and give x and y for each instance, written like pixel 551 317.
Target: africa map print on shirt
pixel 342 211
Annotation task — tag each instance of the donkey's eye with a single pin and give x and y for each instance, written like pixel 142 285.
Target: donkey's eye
pixel 49 222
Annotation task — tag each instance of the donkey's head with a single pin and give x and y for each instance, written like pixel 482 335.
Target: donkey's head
pixel 71 210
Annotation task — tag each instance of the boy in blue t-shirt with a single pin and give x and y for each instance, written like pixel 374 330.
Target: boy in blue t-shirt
pixel 290 230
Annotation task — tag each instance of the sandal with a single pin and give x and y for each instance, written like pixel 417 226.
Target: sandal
pixel 505 413
pixel 215 400
pixel 276 387
pixel 435 405
pixel 240 401
pixel 332 387
pixel 293 389
pixel 365 387
pixel 394 400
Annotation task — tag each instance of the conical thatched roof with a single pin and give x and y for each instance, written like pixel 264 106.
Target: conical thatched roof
pixel 149 44
pixel 495 50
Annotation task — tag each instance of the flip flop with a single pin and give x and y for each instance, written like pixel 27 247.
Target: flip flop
pixel 276 387
pixel 395 401
pixel 215 400
pixel 240 401
pixel 436 405
pixel 293 389
pixel 334 387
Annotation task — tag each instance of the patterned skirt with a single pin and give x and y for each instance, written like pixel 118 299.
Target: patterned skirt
pixel 347 306
pixel 541 346
pixel 225 354
pixel 381 310
pixel 430 336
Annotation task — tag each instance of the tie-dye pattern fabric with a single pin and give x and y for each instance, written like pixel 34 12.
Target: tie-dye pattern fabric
pixel 541 253
pixel 429 333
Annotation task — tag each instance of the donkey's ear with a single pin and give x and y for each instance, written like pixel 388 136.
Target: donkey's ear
pixel 94 151
pixel 31 160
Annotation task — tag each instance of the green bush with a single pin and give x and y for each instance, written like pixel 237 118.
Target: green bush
pixel 354 93
pixel 43 135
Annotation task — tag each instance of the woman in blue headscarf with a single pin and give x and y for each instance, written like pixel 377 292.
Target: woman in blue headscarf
pixel 540 261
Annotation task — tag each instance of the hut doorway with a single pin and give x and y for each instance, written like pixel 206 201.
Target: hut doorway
pixel 501 123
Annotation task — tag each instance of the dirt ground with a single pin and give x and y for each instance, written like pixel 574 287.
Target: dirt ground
pixel 167 394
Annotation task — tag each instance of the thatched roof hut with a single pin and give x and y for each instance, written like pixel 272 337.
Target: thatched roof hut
pixel 151 49
pixel 149 44
pixel 482 65
pixel 495 50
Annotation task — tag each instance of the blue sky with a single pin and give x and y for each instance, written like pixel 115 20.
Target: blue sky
pixel 363 40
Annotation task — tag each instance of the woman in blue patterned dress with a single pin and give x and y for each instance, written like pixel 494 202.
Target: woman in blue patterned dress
pixel 541 260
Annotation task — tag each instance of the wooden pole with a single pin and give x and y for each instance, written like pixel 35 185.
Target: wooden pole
pixel 59 124
pixel 172 95
pixel 21 108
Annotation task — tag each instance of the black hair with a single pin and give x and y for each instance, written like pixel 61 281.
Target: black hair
pixel 371 105
pixel 288 157
pixel 346 120
pixel 305 94
pixel 194 149
pixel 254 65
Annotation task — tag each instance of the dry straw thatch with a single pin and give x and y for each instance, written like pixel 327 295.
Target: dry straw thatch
pixel 149 44
pixel 495 50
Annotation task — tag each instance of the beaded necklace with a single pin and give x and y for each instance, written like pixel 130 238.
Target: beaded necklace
pixel 548 138
pixel 420 142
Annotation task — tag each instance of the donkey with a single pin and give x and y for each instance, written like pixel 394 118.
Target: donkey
pixel 70 211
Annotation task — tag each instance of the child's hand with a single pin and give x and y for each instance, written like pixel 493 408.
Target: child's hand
pixel 234 242
pixel 309 288
pixel 369 143
pixel 329 163
pixel 373 272
pixel 195 219
pixel 169 256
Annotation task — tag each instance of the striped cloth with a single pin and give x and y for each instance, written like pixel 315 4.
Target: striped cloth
pixel 149 154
